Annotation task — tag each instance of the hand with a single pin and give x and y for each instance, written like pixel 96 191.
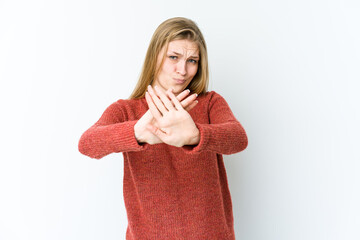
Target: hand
pixel 174 125
pixel 144 135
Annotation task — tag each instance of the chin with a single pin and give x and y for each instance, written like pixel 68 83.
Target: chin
pixel 177 90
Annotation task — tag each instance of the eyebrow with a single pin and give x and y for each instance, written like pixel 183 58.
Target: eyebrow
pixel 176 53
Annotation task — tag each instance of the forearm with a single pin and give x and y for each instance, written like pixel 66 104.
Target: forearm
pixel 99 141
pixel 223 138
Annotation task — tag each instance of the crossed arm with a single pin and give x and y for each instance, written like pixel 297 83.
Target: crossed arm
pixel 170 122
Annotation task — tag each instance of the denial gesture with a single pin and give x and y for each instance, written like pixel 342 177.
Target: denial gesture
pixel 173 125
pixel 142 128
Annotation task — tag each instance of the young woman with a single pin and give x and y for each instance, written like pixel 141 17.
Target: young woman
pixel 172 133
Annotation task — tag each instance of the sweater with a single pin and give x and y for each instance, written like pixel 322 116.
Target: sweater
pixel 172 192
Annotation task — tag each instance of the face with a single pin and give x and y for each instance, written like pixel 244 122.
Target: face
pixel 179 67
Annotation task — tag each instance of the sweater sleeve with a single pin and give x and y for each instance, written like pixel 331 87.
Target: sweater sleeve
pixel 224 134
pixel 112 133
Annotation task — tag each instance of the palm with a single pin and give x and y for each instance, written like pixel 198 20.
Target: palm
pixel 142 132
pixel 174 124
pixel 146 135
pixel 177 126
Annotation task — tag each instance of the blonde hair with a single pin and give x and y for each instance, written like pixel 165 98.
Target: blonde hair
pixel 173 29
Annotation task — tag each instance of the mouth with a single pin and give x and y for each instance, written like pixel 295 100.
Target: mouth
pixel 179 80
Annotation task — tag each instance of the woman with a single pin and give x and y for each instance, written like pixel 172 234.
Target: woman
pixel 175 184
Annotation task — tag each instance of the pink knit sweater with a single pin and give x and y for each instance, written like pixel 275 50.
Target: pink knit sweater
pixel 171 192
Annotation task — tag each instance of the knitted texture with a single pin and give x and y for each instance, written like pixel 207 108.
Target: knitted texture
pixel 171 192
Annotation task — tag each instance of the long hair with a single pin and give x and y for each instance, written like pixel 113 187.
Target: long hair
pixel 177 28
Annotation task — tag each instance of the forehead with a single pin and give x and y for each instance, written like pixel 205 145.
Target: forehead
pixel 183 46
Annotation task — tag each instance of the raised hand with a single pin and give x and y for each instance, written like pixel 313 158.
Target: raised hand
pixel 174 125
pixel 144 135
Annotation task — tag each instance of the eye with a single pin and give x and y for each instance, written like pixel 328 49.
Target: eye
pixel 192 61
pixel 173 57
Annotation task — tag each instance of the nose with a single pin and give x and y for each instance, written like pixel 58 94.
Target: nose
pixel 181 68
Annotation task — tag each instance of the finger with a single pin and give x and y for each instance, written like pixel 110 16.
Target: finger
pixel 158 103
pixel 156 131
pixel 167 95
pixel 183 94
pixel 153 109
pixel 191 106
pixel 166 101
pixel 189 100
pixel 175 101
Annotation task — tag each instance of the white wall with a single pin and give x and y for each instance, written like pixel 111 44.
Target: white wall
pixel 288 69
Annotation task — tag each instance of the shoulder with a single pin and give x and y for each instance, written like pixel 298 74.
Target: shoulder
pixel 211 94
pixel 125 103
pixel 131 108
pixel 212 97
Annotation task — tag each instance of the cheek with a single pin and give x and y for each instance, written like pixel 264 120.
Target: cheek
pixel 194 70
pixel 168 67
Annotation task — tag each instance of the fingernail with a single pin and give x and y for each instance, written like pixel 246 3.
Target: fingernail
pixel 196 94
pixel 188 90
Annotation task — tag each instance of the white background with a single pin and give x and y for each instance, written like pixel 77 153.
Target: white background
pixel 288 69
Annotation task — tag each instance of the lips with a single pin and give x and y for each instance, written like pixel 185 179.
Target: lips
pixel 179 80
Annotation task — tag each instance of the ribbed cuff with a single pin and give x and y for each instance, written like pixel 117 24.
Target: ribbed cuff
pixel 128 138
pixel 204 140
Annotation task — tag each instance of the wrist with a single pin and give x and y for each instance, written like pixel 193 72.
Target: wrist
pixel 195 137
pixel 136 134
